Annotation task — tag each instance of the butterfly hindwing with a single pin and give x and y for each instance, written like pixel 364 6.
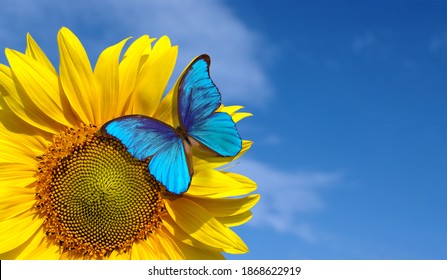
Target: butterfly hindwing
pixel 146 137
pixel 198 99
pixel 170 167
pixel 218 132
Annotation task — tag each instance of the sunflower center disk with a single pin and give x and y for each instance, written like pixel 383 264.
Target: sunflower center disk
pixel 96 196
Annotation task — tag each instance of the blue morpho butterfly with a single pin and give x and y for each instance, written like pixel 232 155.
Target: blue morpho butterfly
pixel 169 149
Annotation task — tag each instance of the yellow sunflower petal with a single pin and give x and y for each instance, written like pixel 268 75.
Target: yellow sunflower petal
pixel 195 253
pixel 40 84
pixel 129 68
pixel 197 222
pixel 141 250
pixel 17 102
pixel 12 125
pixel 20 182
pixel 222 207
pixel 16 174
pixel 36 144
pixel 203 160
pixel 107 74
pixel 216 184
pixel 38 248
pixel 239 116
pixel 165 247
pixel 173 228
pixel 14 148
pixel 16 209
pixel 76 76
pixel 167 109
pixel 10 152
pixel 15 231
pixel 119 256
pixel 29 246
pixel 236 220
pixel 141 46
pixel 153 77
pixel 15 201
pixel 34 51
pixel 232 111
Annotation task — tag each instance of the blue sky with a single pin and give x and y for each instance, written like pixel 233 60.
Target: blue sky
pixel 349 101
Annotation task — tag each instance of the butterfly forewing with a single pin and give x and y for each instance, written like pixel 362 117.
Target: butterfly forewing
pixel 143 136
pixel 198 97
pixel 146 137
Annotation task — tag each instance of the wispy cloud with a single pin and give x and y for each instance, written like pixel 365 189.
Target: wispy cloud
pixel 438 43
pixel 271 139
pixel 364 41
pixel 287 196
pixel 375 46
pixel 197 26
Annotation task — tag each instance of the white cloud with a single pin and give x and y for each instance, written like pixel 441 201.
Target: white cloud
pixel 438 43
pixel 364 41
pixel 197 26
pixel 287 196
pixel 272 139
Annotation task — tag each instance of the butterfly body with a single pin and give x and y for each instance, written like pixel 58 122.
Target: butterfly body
pixel 169 149
pixel 182 133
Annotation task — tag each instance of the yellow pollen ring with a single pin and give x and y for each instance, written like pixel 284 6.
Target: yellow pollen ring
pixel 96 197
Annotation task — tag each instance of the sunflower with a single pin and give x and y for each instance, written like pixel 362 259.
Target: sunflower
pixel 68 192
